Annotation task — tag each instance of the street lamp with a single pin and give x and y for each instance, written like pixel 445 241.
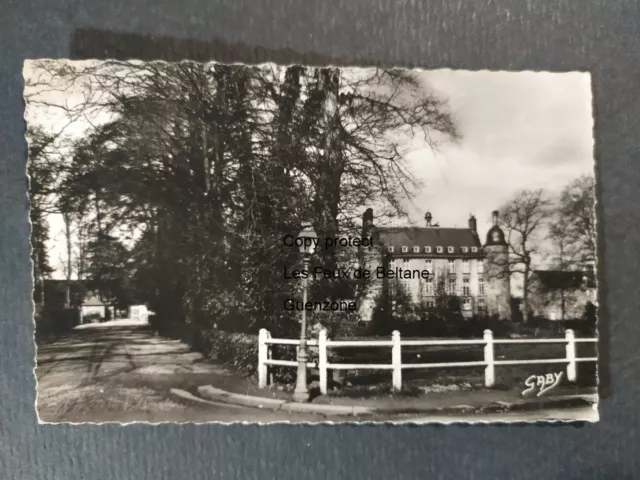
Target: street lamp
pixel 307 242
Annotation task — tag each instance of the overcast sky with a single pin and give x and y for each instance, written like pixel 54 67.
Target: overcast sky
pixel 518 130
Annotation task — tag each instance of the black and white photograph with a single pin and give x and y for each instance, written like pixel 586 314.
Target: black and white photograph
pixel 283 243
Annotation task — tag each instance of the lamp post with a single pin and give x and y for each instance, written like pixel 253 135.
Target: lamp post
pixel 307 245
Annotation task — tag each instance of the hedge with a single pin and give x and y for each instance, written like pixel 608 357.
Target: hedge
pixel 56 322
pixel 239 351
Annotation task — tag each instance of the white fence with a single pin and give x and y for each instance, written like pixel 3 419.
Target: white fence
pixel 396 366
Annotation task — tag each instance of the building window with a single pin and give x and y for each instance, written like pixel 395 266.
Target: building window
pixel 480 267
pixel 416 249
pixel 390 249
pixel 439 249
pixel 452 286
pixel 429 304
pixel 452 266
pixel 406 264
pixel 481 304
pixel 428 286
pixel 474 249
pixel 465 266
pixel 392 264
pixel 428 264
pixel 427 249
pixel 465 249
pixel 480 285
pixel 450 249
pixel 466 304
pixel 466 291
pixel 405 249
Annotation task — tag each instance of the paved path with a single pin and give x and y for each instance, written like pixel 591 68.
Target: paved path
pixel 120 371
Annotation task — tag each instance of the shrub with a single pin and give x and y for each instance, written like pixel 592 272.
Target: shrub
pixel 239 351
pixel 236 350
pixel 93 317
pixel 63 320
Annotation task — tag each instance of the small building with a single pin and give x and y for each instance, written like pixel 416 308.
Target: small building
pixel 139 313
pixel 94 307
pixel 561 294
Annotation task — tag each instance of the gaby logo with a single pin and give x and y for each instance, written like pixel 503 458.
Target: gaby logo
pixel 543 383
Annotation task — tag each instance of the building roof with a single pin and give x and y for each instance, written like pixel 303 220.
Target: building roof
pixel 495 236
pixel 93 301
pixel 433 237
pixel 562 279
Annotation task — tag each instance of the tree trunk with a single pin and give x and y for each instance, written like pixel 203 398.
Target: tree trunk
pixel 525 294
pixel 67 232
pixel 328 193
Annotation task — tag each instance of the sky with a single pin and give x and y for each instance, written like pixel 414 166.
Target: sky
pixel 518 130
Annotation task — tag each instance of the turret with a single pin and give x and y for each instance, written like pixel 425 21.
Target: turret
pixel 496 271
pixel 369 258
pixel 428 218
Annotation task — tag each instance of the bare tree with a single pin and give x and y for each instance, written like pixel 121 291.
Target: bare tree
pixel 576 215
pixel 522 218
pixel 562 258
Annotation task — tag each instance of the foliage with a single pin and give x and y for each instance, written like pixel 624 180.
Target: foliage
pixel 60 320
pixel 40 176
pixel 194 173
pixel 238 351
pixel 576 213
pixel 523 218
pixel 93 317
pixel 396 310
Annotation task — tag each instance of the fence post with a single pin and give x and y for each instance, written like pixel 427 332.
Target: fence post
pixel 262 357
pixel 269 356
pixel 322 360
pixel 571 355
pixel 489 369
pixel 396 360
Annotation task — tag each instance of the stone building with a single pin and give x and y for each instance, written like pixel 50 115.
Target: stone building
pixel 561 295
pixel 455 257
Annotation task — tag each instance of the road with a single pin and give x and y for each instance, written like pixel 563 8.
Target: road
pixel 119 371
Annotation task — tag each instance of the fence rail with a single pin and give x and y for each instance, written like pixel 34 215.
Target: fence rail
pixel 322 344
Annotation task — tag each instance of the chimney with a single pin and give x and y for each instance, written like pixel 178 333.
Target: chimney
pixel 367 222
pixel 367 217
pixel 494 217
pixel 428 218
pixel 472 223
pixel 589 270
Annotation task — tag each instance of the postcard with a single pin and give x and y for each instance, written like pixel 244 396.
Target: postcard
pixel 284 243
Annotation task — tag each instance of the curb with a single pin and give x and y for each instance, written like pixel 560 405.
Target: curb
pixel 519 405
pixel 326 409
pixel 184 395
pixel 222 396
pixel 219 395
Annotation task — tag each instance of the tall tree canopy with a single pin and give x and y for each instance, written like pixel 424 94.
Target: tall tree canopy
pixel 205 167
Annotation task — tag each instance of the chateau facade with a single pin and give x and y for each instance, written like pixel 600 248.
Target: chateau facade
pixel 455 257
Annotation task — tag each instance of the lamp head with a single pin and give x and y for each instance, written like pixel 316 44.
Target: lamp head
pixel 308 239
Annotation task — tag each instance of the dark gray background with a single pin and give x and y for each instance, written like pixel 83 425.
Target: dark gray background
pixel 601 36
